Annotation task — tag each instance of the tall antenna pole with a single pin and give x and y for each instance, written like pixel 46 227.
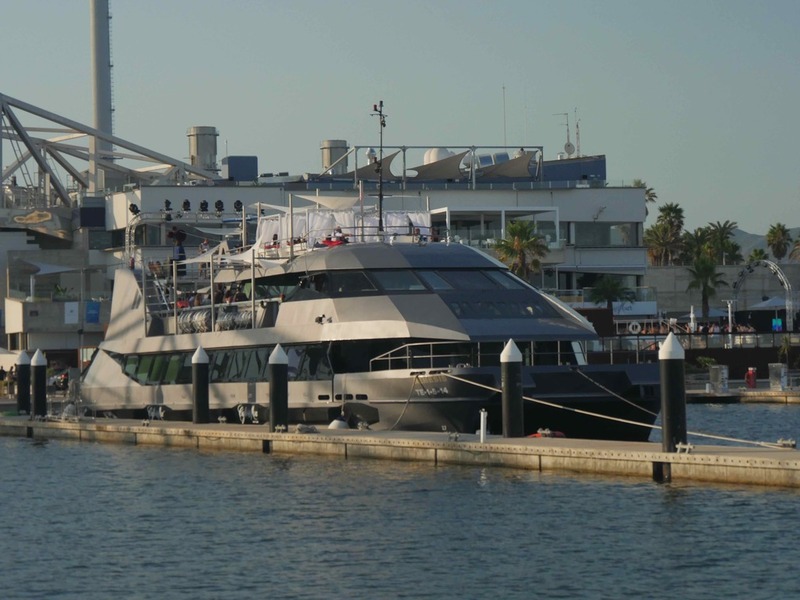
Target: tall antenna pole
pixel 377 110
pixel 577 132
pixel 568 147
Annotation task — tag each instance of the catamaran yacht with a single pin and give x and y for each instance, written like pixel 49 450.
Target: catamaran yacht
pixel 403 333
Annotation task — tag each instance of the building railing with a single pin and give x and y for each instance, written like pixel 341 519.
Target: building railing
pixel 581 295
pixel 643 343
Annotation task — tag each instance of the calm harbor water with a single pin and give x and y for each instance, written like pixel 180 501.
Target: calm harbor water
pixel 104 521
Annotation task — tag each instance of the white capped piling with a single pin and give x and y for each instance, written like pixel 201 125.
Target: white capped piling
pixel 278 389
pixel 511 375
pixel 23 383
pixel 200 386
pixel 39 381
pixel 673 393
pixel 484 415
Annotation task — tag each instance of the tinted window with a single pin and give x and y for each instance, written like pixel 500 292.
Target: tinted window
pixel 505 280
pixel 158 368
pixel 491 309
pixel 393 281
pixel 345 282
pixel 469 280
pixel 174 365
pixel 143 368
pixel 257 366
pixel 434 280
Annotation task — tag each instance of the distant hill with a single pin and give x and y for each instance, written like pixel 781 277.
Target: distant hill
pixel 749 241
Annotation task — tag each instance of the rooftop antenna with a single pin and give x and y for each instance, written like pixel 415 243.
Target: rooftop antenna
pixel 568 147
pixel 377 110
pixel 577 132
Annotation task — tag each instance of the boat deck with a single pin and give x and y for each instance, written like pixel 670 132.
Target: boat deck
pixel 719 464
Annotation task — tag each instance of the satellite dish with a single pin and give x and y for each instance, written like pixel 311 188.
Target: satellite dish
pixel 569 148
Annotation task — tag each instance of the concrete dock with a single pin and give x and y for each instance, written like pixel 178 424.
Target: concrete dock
pixel 744 396
pixel 720 464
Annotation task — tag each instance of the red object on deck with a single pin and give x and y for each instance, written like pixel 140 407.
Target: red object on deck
pixel 750 378
pixel 547 433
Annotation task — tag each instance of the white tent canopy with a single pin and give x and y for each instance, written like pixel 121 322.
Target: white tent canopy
pixel 769 304
pixel 315 225
pixel 332 202
pixel 49 269
pixel 713 313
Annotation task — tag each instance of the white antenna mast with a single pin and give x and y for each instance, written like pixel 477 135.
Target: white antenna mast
pixel 568 147
pixel 577 132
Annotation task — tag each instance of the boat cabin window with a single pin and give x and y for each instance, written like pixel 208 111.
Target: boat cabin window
pixel 227 366
pixel 352 282
pixel 257 365
pixel 434 281
pixel 398 280
pixel 312 363
pixel 505 280
pixel 158 368
pixel 469 280
pixel 131 364
pixel 319 283
pixel 177 366
pixel 143 368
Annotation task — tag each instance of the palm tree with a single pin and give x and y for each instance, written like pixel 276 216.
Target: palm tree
pixel 719 234
pixel 522 249
pixel 608 290
pixel 663 243
pixel 757 254
pixel 706 279
pixel 671 213
pixel 694 245
pixel 731 253
pixel 650 195
pixel 779 239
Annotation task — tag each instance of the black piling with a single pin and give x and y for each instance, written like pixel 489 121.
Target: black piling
pixel 673 403
pixel 278 390
pixel 39 384
pixel 200 386
pixel 673 394
pixel 511 374
pixel 23 384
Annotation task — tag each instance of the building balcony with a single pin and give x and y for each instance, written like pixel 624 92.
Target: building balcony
pixel 56 316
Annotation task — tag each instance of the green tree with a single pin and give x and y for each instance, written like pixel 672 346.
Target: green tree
pixel 719 235
pixel 671 213
pixel 757 254
pixel 706 279
pixel 609 289
pixel 694 245
pixel 522 249
pixel 731 253
pixel 779 240
pixel 663 243
pixel 650 195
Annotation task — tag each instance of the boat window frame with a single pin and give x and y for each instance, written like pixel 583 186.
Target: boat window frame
pixel 464 279
pixel 504 279
pixel 340 278
pixel 382 277
pixel 427 275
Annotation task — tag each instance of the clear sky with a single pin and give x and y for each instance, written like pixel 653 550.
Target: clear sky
pixel 699 98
